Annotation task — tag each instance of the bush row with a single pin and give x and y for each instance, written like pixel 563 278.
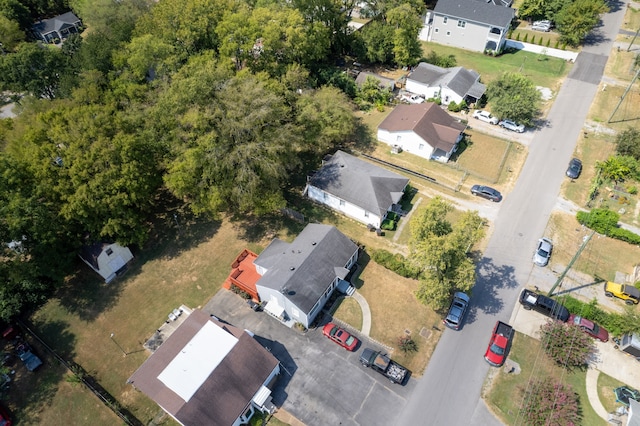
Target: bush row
pixel 616 324
pixel 605 222
pixel 394 262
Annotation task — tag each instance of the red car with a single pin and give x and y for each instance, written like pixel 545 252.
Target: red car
pixel 499 344
pixel 5 420
pixel 340 336
pixel 589 327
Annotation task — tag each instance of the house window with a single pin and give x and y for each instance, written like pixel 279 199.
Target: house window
pixel 398 138
pixel 325 196
pixel 421 146
pixel 445 19
pixel 448 33
pixel 437 30
pixel 109 252
pixel 366 214
pixel 341 203
pixel 461 24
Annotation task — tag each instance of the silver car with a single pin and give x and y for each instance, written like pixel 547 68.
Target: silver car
pixel 543 252
pixel 457 310
pixel 512 125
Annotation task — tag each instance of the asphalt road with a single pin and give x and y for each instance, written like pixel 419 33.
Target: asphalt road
pixel 449 393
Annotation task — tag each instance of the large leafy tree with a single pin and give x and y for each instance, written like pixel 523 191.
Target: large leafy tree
pixel 440 250
pixel 406 25
pixel 566 344
pixel 10 34
pixel 576 20
pixel 618 167
pixel 628 143
pixel 514 96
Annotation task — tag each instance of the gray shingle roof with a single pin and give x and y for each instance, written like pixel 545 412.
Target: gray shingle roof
pixel 461 80
pixel 56 23
pixel 360 183
pixel 427 120
pixel 384 82
pixel 223 396
pixel 306 266
pixel 476 11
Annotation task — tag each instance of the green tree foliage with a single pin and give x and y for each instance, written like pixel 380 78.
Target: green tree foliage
pixel 618 167
pixel 444 61
pixel 407 25
pixel 329 18
pixel 10 34
pixel 566 344
pixel 600 220
pixel 514 96
pixel 16 11
pixel 628 143
pixel 550 403
pixel 146 56
pixel 33 69
pixel 371 92
pixel 440 250
pixel 578 18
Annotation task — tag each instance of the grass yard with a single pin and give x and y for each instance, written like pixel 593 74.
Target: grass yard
pixel 631 20
pixel 602 257
pixel 606 385
pixel 504 394
pixel 620 65
pixel 395 310
pixel 544 71
pixel 483 156
pixel 348 310
pixel 627 115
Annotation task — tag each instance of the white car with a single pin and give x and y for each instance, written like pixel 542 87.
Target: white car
pixel 413 99
pixel 542 26
pixel 485 116
pixel 512 125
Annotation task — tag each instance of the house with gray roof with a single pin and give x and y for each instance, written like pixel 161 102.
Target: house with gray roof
pixel 356 188
pixel 297 278
pixel 447 84
pixel 471 24
pixel 57 29
pixel 424 129
pixel 383 82
pixel 207 372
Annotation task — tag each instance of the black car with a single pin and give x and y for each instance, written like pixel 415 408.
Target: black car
pixel 486 192
pixel 456 311
pixel 574 169
pixel 543 304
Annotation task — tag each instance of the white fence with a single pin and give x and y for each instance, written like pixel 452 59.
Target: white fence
pixel 528 47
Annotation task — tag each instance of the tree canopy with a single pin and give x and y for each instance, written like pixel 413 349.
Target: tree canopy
pixel 515 97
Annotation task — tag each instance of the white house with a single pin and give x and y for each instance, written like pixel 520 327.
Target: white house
pixel 298 278
pixel 107 259
pixel 356 188
pixel 208 373
pixel 448 84
pixel 470 24
pixel 424 129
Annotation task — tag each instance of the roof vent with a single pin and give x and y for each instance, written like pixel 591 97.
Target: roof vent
pixel 313 243
pixel 292 268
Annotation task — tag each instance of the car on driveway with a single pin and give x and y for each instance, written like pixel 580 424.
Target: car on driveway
pixel 543 304
pixel 543 252
pixel 574 169
pixel 626 292
pixel 340 336
pixel 589 327
pixel 457 310
pixel 499 344
pixel 485 116
pixel 544 25
pixel 512 125
pixel 486 192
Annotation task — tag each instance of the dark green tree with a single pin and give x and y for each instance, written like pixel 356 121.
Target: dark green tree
pixel 515 97
pixel 628 143
pixel 577 19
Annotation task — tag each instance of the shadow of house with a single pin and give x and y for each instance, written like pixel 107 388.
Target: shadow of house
pixel 209 372
pixel 425 130
pixel 58 28
pixel 107 259
pixel 356 188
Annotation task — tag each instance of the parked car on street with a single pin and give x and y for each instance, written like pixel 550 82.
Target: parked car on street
pixel 589 327
pixel 544 25
pixel 543 304
pixel 626 292
pixel 574 169
pixel 511 125
pixel 457 310
pixel 485 116
pixel 486 192
pixel 543 252
pixel 499 344
pixel 340 336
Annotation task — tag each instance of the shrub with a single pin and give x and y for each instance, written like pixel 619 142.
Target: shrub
pixel 555 46
pixel 633 190
pixel 549 403
pixel 436 101
pixel 616 324
pixel 533 39
pixel 526 37
pixel 394 262
pixel 565 344
pixel 237 290
pixel 548 42
pixel 600 220
pixel 454 107
pixel 407 344
pixel 518 37
pixel 388 225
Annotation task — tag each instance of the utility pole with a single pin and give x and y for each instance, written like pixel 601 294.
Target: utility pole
pixel 573 260
pixel 624 95
pixel 634 39
pixel 124 353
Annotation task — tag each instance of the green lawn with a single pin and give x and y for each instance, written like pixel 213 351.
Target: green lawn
pixel 505 394
pixel 544 71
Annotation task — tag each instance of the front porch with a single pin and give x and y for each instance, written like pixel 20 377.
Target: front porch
pixel 244 275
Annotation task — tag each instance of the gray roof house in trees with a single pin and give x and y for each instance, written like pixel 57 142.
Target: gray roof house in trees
pixel 58 28
pixel 209 373
pixel 356 188
pixel 471 24
pixel 298 278
pixel 449 84
pixel 383 82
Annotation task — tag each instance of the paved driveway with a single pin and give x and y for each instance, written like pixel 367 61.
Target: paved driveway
pixel 322 384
